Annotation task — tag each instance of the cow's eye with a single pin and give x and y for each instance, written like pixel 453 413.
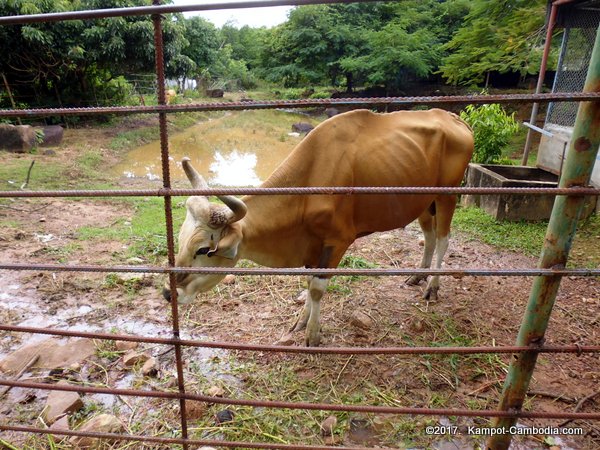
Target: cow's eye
pixel 203 251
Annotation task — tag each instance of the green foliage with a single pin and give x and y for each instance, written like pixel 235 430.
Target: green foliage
pixel 503 36
pixel 492 130
pixel 520 236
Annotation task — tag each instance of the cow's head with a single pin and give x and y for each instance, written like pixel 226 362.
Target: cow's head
pixel 209 237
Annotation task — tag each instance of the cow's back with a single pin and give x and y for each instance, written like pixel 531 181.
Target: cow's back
pixel 361 148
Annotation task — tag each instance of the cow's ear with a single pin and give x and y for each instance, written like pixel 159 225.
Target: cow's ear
pixel 229 242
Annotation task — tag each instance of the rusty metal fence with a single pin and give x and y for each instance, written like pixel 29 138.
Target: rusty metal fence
pixel 570 191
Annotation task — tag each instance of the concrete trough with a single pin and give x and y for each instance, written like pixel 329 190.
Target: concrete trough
pixel 513 207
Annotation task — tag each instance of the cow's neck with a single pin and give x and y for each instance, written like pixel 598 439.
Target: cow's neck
pixel 272 234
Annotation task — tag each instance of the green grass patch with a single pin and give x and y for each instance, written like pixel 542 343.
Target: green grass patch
pixel 13 173
pixel 286 380
pixel 144 235
pixel 527 237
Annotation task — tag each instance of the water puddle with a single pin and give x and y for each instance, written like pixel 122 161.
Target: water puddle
pixel 225 154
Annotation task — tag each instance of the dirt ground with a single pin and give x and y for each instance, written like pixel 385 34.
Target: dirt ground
pixel 472 311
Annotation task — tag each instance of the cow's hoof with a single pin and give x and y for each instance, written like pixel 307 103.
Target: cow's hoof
pixel 313 339
pixel 431 294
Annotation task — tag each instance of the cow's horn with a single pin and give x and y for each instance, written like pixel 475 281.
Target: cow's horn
pixel 195 178
pixel 238 208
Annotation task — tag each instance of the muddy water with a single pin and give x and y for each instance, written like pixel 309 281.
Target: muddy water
pixel 233 150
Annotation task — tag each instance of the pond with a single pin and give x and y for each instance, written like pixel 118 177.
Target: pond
pixel 236 149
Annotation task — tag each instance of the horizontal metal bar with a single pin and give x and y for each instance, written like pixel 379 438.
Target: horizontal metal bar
pixel 576 349
pixel 538 129
pixel 337 190
pixel 166 441
pixel 160 9
pixel 181 441
pixel 526 272
pixel 309 103
pixel 301 405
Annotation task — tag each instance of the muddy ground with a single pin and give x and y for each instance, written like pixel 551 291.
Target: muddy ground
pixel 473 311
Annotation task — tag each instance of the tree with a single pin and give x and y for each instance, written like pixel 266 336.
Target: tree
pixel 501 35
pixel 76 63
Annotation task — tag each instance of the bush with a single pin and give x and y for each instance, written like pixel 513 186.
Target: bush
pixel 492 129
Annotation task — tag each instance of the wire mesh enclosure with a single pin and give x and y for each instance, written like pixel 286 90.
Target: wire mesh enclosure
pixel 198 397
pixel 580 24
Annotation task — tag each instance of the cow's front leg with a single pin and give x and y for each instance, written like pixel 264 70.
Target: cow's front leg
pixel 316 289
pixel 431 292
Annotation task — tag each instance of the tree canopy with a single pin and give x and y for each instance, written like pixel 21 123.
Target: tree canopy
pixel 388 45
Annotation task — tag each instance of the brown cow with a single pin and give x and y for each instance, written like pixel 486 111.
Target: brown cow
pixel 358 148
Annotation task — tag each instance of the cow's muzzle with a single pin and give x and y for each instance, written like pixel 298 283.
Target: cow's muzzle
pixel 167 294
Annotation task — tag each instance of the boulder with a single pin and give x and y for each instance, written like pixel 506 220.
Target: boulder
pixel 361 320
pixel 215 93
pixel 330 112
pixel 17 138
pixel 302 127
pixel 53 135
pixel 60 403
pixel 103 423
pixel 61 424
pixel 150 367
pixel 132 358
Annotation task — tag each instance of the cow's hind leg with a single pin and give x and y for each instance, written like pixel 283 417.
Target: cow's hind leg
pixel 426 221
pixel 445 205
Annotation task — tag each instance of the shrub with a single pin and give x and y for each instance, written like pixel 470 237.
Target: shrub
pixel 492 129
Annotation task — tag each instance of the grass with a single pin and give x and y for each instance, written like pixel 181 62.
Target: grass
pixel 144 235
pixel 283 380
pixel 518 236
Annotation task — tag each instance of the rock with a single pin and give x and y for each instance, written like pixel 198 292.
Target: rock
pixel 53 135
pixel 134 259
pixel 49 152
pixel 150 367
pixel 328 425
pixel 17 138
pixel 51 354
pixel 60 403
pixel 229 279
pixel 330 112
pixel 215 391
pixel 332 440
pixel 224 416
pixel 195 410
pixel 103 423
pixel 302 127
pixel 361 320
pixel 123 346
pixel 61 424
pixel 132 358
pixel 215 93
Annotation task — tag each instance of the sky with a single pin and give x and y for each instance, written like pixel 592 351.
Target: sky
pixel 254 17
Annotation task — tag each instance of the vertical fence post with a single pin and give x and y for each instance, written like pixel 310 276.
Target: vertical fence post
pixel 164 153
pixel 583 150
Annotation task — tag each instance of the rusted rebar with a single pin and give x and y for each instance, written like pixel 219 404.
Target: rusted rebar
pixel 578 349
pixel 464 272
pixel 386 102
pixel 336 190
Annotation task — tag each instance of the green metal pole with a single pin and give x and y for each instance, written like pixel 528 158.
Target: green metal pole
pixel 559 236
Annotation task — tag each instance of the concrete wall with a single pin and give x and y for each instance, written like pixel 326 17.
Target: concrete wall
pixel 551 149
